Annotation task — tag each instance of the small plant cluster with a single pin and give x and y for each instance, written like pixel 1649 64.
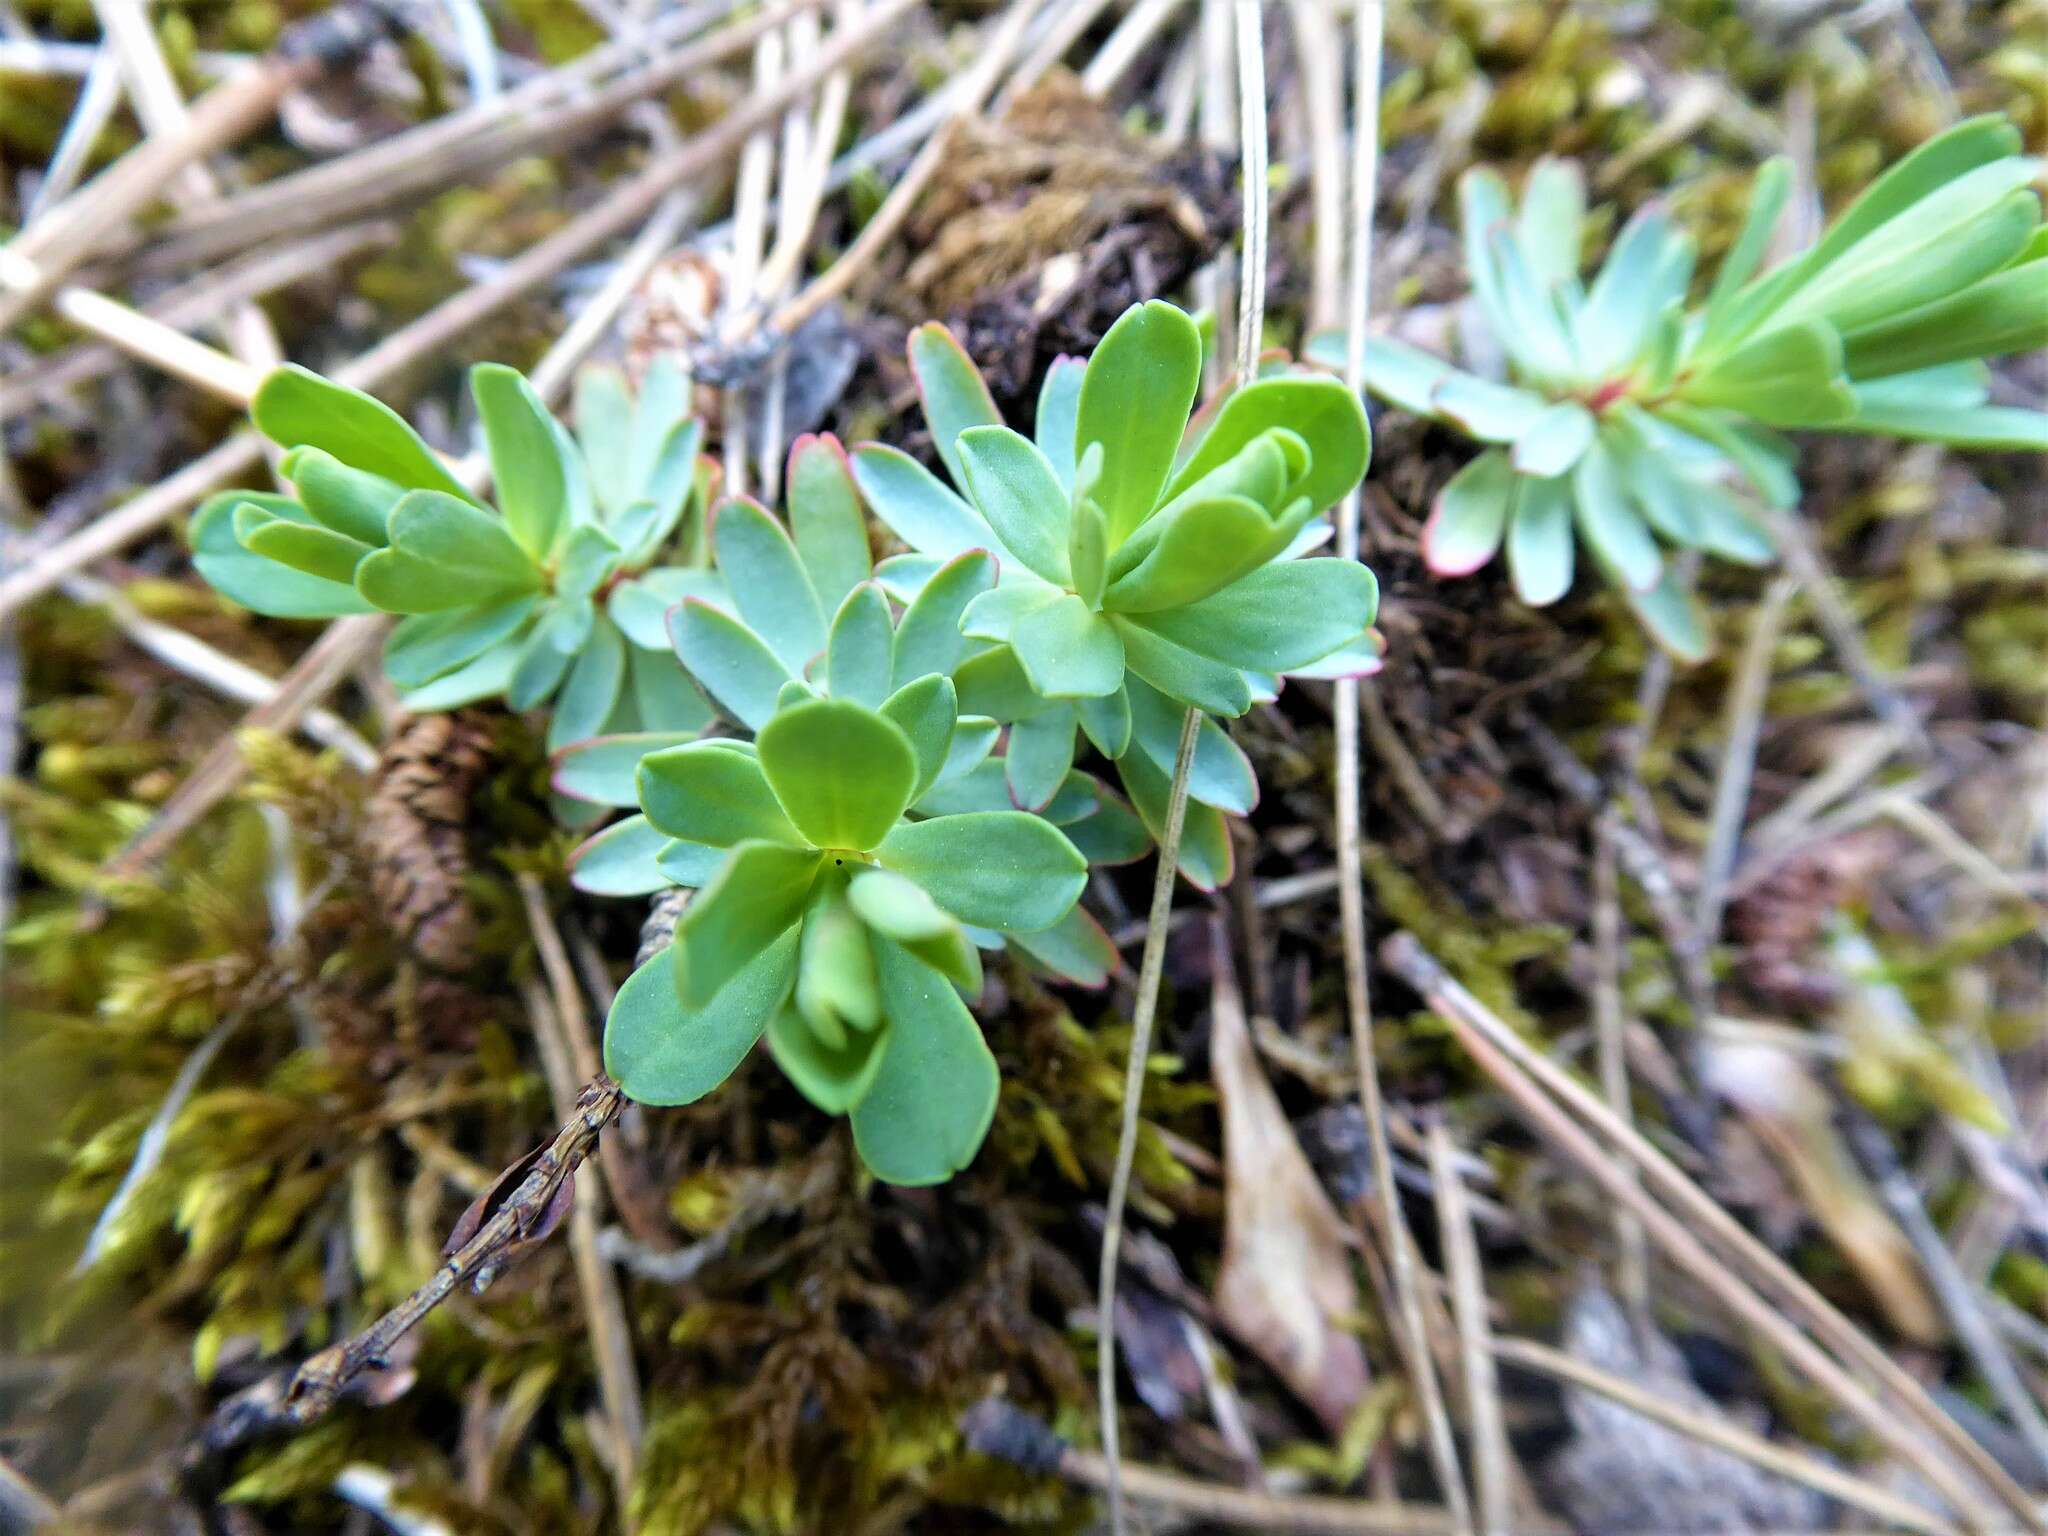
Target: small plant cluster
pixel 1632 421
pixel 864 771
pixel 554 596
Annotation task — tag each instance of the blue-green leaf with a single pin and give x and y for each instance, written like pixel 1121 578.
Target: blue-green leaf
pixel 728 660
pixel 929 1108
pixel 663 1053
pixel 620 861
pixel 524 438
pixel 295 406
pixel 1135 397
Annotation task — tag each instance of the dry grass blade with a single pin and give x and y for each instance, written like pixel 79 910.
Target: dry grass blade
pixel 1610 1021
pixel 1745 715
pixel 1562 1110
pixel 1410 1329
pixel 1491 1460
pixel 1780 1460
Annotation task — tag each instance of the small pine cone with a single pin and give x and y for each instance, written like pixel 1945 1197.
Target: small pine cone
pixel 415 837
pixel 663 913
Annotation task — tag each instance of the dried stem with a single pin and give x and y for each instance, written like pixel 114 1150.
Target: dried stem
pixel 1563 1110
pixel 322 1379
pixel 994 1428
pixel 1410 1330
pixel 1958 1296
pixel 1610 1021
pixel 1744 723
pixel 1150 969
pixel 1724 1436
pixel 1487 1429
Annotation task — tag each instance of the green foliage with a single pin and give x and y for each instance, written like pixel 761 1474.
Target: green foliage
pixel 836 927
pixel 1147 563
pixel 1635 422
pixel 554 596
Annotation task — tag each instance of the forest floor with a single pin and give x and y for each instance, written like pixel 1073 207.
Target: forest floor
pixel 1792 901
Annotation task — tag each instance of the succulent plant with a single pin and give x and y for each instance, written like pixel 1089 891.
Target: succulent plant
pixel 1643 423
pixel 1147 565
pixel 753 633
pixel 554 596
pixel 831 923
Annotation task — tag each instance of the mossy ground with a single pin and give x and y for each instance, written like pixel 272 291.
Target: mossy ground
pixel 810 1374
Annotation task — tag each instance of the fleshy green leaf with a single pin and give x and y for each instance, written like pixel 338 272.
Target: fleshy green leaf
pixel 728 660
pixel 261 585
pixel 1179 672
pixel 543 662
pixel 955 398
pixel 825 518
pixel 916 507
pixel 835 1075
pixel 1470 516
pixel 592 688
pixel 663 694
pixel 995 869
pixel 1107 720
pixel 860 652
pixel 1673 617
pixel 426 646
pixel 604 770
pixel 589 558
pixel 1281 616
pixel 2007 312
pixel 350 501
pixel 755 898
pixel 1059 409
pixel 1767 195
pixel 929 1108
pixel 1493 413
pixel 835 971
pixel 640 605
pixel 768 583
pixel 1790 376
pixel 1647 271
pixel 925 711
pixel 705 792
pixel 1075 948
pixel 302 545
pixel 1040 752
pixel 1205 851
pixel 1609 522
pixel 1200 548
pixel 531 484
pixel 1550 224
pixel 604 426
pixel 928 638
pixel 1540 542
pixel 1220 774
pixel 1552 443
pixel 843 773
pixel 1135 397
pixel 1320 411
pixel 661 1053
pixel 993 684
pixel 295 406
pixel 1068 651
pixel 489 676
pixel 1017 492
pixel 463 540
pixel 897 907
pixel 620 861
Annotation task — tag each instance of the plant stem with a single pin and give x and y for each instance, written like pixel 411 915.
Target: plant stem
pixel 1150 967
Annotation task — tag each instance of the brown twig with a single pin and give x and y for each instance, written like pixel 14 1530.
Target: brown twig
pixel 995 1428
pixel 1732 1438
pixel 507 1223
pixel 1562 1109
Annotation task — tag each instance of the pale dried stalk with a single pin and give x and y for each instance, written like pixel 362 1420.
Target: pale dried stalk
pixel 548 112
pixel 1151 969
pixel 1610 1024
pixel 1779 1460
pixel 447 322
pixel 1743 725
pixel 150 341
pixel 1491 1475
pixel 97 100
pixel 1066 30
pixel 161 106
pixel 189 306
pixel 880 230
pixel 1410 1331
pixel 1120 50
pixel 604 1314
pixel 749 238
pixel 67 233
pixel 219 671
pixel 1320 58
pixel 1564 1110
